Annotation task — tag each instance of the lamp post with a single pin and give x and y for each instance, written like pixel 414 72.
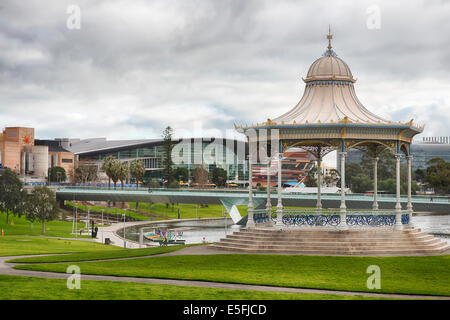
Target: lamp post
pixel 124 239
pixel 103 226
pixel 141 237
pixel 224 212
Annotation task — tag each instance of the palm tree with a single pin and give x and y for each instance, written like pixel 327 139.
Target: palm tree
pixel 137 170
pixel 107 166
pixel 122 172
pixel 115 171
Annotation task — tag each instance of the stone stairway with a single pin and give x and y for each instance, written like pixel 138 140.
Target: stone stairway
pixel 322 242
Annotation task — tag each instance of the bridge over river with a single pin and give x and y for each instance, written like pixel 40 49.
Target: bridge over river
pixel 229 198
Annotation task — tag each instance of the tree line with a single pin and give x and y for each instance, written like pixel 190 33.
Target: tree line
pixel 117 170
pixel 359 176
pixel 39 205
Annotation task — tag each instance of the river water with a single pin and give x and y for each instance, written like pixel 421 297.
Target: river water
pixel 199 231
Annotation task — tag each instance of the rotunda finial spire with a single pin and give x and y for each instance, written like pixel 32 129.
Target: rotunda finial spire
pixel 329 37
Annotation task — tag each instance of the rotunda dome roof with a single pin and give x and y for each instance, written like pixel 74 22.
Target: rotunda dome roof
pixel 329 67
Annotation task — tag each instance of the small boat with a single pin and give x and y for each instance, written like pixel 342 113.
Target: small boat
pixel 165 237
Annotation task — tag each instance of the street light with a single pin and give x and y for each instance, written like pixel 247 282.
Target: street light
pixel 225 219
pixel 103 226
pixel 124 240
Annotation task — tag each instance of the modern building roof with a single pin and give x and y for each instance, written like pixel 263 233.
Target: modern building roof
pixel 100 145
pixel 78 146
pixel 53 145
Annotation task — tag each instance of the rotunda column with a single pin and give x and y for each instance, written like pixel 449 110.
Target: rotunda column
pixel 409 206
pixel 375 183
pixel 398 206
pixel 250 221
pixel 343 209
pixel 279 222
pixel 319 183
pixel 269 202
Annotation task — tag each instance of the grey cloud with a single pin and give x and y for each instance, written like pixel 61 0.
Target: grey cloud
pixel 135 67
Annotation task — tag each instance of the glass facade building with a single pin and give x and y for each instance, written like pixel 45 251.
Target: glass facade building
pixel 208 153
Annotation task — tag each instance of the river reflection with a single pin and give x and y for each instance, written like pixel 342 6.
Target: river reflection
pixel 199 231
pixel 438 225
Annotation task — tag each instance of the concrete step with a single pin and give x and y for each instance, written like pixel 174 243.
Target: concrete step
pixel 307 232
pixel 381 242
pixel 334 252
pixel 349 242
pixel 324 238
pixel 332 231
pixel 337 246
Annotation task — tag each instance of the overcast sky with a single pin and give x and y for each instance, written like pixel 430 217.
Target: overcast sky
pixel 135 67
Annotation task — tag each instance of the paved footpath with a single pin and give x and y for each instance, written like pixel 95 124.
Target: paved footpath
pixel 110 232
pixel 7 269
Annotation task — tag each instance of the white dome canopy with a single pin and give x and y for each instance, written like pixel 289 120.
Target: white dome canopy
pixel 329 96
pixel 329 67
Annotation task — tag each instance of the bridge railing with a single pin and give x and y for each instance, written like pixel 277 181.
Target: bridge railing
pixel 350 196
pixel 145 189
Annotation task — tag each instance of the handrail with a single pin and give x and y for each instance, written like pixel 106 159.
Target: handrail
pixel 332 211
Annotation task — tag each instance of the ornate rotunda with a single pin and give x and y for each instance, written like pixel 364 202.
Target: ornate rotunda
pixel 330 117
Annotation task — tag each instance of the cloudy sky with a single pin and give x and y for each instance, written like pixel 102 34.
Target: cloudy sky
pixel 135 67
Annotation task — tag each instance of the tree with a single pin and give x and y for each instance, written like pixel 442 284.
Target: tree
pixel 85 173
pixel 361 183
pixel 388 185
pixel 311 180
pixel 351 171
pixel 122 172
pixel 167 160
pixel 12 194
pixel 438 175
pixel 200 175
pixel 181 174
pixel 41 205
pixel 385 165
pixel 107 166
pixel 57 174
pixel 137 170
pixel 419 175
pixel 115 171
pixel 219 177
pixel 332 178
pixel 154 184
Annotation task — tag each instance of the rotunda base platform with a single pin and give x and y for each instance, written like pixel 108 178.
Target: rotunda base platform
pixel 352 242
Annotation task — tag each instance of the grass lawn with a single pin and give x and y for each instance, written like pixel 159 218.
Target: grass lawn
pixel 112 211
pixel 22 226
pixel 28 288
pixel 25 245
pixel 408 275
pixel 187 211
pixel 106 253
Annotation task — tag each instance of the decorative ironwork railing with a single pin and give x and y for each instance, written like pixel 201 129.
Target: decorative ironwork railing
pixel 260 217
pixel 312 220
pixel 331 217
pixel 373 220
